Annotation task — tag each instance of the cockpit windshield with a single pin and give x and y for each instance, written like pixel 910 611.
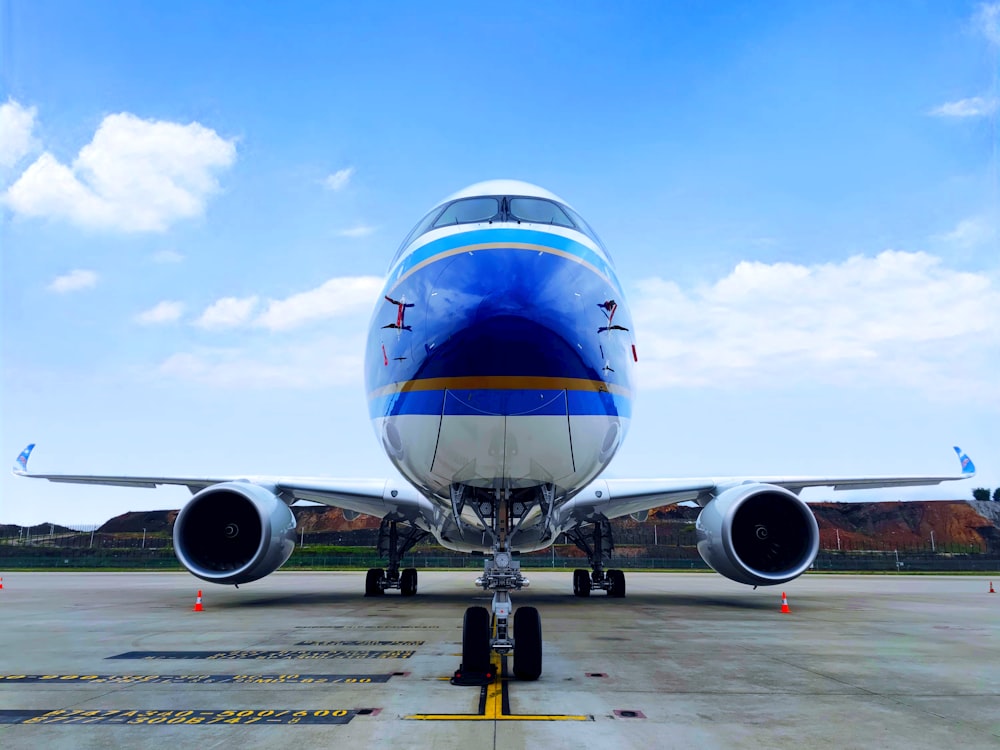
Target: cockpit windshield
pixel 469 211
pixel 538 211
pixel 497 208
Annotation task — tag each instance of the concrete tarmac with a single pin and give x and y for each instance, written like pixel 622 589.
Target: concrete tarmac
pixel 96 660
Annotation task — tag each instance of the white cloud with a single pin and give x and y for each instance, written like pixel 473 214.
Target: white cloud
pixel 165 312
pixel 970 232
pixel 338 296
pixel 974 106
pixel 73 281
pixel 17 125
pixel 987 22
pixel 339 179
pixel 897 318
pixel 360 230
pixel 134 176
pixel 167 256
pixel 315 364
pixel 228 312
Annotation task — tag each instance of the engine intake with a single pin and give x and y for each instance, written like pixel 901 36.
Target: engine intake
pixel 234 532
pixel 758 534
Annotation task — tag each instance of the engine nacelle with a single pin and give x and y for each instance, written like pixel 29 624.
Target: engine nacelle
pixel 234 532
pixel 758 534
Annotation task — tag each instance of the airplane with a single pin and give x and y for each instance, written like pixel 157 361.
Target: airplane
pixel 501 406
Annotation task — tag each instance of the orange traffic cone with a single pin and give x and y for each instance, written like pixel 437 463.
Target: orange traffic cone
pixel 991 586
pixel 1 583
pixel 784 604
pixel 197 603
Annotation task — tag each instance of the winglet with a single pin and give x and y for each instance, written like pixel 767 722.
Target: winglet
pixel 968 468
pixel 21 465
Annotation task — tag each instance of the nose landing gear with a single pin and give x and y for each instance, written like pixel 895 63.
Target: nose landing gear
pixel 503 633
pixel 506 631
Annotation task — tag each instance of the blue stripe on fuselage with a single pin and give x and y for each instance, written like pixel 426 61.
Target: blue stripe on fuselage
pixel 426 253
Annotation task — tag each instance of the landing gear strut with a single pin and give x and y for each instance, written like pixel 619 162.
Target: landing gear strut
pixel 598 549
pixel 505 632
pixel 394 544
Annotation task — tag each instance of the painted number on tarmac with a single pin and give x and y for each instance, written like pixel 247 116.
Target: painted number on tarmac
pixel 122 716
pixel 284 654
pixel 181 679
pixel 360 643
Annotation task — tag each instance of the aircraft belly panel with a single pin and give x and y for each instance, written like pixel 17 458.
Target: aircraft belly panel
pixel 487 451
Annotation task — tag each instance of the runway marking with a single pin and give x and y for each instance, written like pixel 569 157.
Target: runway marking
pixel 189 679
pixel 269 655
pixel 494 704
pixel 179 717
pixel 360 643
pixel 367 627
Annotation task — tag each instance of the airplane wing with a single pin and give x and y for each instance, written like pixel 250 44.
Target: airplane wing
pixel 376 497
pixel 614 498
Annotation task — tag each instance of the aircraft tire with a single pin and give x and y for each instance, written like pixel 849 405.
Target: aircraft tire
pixel 408 582
pixel 527 644
pixel 476 640
pixel 617 589
pixel 581 582
pixel 372 580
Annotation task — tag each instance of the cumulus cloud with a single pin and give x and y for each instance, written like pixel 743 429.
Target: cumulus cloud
pixel 74 281
pixel 135 176
pixel 339 179
pixel 359 230
pixel 165 312
pixel 898 318
pixel 228 312
pixel 974 106
pixel 17 125
pixel 338 296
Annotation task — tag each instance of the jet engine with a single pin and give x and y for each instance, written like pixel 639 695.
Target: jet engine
pixel 758 534
pixel 234 532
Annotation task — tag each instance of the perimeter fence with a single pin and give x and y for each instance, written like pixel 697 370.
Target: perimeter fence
pixel 90 550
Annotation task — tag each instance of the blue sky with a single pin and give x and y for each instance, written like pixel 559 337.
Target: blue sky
pixel 198 199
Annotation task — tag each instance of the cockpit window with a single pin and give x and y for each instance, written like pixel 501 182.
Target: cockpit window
pixel 538 211
pixel 469 211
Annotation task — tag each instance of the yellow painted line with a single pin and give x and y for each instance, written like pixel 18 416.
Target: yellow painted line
pixel 493 710
pixel 501 382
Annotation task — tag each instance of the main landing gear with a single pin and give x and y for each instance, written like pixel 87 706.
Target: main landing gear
pixel 598 549
pixel 393 543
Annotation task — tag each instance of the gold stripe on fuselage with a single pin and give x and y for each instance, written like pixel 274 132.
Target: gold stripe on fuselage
pixel 501 383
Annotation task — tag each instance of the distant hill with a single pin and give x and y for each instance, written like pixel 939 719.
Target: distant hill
pixel 10 529
pixel 858 525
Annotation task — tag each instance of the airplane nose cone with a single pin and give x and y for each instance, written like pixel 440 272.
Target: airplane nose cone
pixel 506 318
pixel 505 344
